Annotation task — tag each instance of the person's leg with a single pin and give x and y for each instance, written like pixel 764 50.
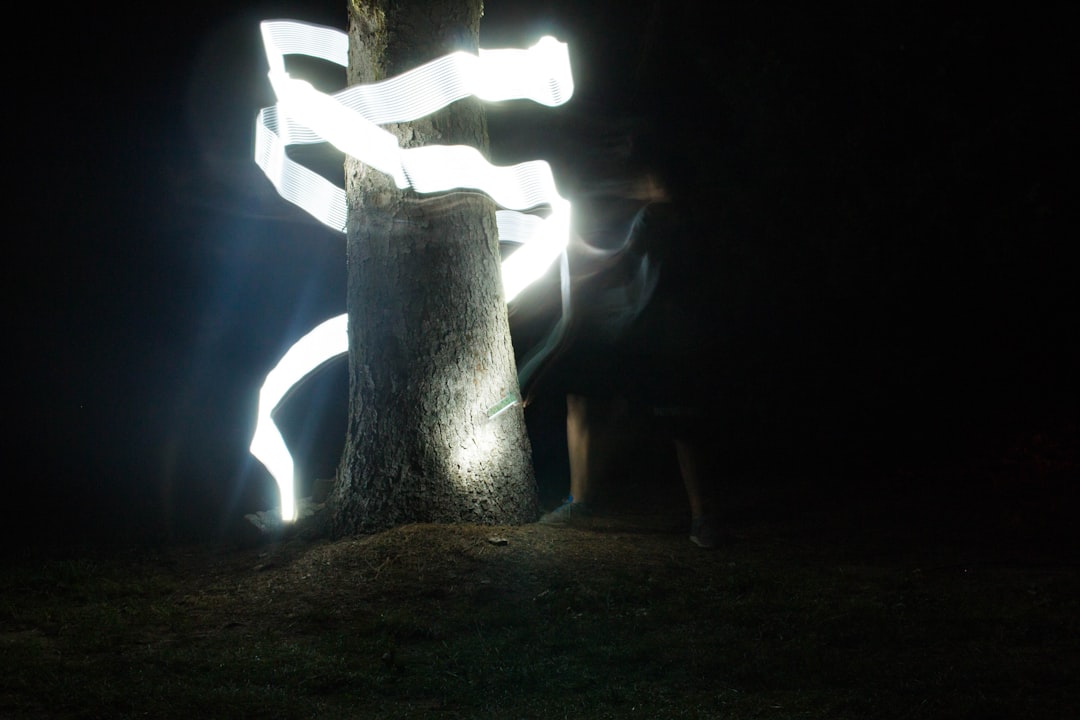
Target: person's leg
pixel 578 445
pixel 690 466
pixel 579 439
pixel 704 530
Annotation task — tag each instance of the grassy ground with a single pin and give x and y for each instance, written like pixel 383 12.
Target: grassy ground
pixel 904 602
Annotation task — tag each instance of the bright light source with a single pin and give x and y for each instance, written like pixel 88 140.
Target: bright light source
pixel 350 121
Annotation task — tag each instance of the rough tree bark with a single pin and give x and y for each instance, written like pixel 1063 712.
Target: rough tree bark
pixel 429 342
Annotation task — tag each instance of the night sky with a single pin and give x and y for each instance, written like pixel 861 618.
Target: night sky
pixel 885 253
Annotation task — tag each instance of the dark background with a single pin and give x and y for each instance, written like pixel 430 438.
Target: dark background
pixel 889 260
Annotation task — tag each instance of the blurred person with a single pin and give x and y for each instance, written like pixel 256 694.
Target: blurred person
pixel 630 343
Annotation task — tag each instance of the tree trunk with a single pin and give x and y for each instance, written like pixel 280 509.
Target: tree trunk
pixel 430 356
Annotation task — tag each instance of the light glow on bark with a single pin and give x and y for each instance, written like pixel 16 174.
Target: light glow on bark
pixel 468 459
pixel 350 121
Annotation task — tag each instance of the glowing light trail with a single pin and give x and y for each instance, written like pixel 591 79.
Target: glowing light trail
pixel 350 121
pixel 328 340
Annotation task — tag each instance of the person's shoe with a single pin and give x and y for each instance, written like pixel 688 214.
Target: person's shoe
pixel 704 532
pixel 569 513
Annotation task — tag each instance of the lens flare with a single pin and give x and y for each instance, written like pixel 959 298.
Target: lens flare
pixel 350 121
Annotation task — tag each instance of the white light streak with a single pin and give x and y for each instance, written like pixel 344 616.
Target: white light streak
pixel 327 341
pixel 350 121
